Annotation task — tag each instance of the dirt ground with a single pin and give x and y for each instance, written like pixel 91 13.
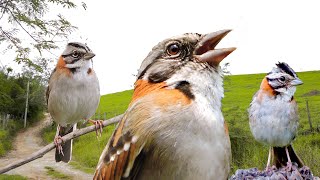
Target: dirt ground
pixel 29 141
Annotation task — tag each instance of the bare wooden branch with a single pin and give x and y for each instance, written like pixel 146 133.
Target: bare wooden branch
pixel 51 146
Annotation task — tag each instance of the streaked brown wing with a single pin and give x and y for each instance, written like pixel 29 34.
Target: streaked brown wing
pixel 120 159
pixel 124 153
pixel 49 88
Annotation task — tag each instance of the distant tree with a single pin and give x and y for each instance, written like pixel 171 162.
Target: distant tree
pixel 28 17
pixel 13 94
pixel 225 69
pixel 226 73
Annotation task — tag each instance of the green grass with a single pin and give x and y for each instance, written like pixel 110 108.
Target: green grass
pixel 7 135
pixel 56 174
pixel 12 177
pixel 246 152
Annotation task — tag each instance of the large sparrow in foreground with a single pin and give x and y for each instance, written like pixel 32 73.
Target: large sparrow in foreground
pixel 73 93
pixel 173 128
pixel 273 115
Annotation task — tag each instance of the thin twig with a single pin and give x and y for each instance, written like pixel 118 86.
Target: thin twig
pixel 51 146
pixel 36 40
pixel 14 17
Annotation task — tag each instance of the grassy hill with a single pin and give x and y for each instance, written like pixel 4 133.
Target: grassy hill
pixel 246 152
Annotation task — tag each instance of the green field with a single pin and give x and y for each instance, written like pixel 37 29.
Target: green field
pixel 246 152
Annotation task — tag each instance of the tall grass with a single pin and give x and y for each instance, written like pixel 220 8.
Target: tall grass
pixel 12 177
pixel 7 134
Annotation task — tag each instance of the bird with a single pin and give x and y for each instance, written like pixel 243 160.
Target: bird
pixel 273 115
pixel 173 127
pixel 73 94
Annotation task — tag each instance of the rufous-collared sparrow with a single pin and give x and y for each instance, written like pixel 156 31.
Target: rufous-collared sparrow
pixel 173 127
pixel 273 115
pixel 73 94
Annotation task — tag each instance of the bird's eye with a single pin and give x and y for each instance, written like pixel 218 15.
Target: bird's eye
pixel 173 49
pixel 282 78
pixel 75 54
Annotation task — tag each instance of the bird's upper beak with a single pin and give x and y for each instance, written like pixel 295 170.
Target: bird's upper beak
pixel 88 55
pixel 205 51
pixel 296 82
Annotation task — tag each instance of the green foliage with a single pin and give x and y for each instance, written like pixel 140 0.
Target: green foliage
pixel 48 133
pixel 13 90
pixel 13 100
pixel 28 17
pixel 88 148
pixel 113 104
pixel 12 177
pixel 5 144
pixel 7 135
pixel 56 174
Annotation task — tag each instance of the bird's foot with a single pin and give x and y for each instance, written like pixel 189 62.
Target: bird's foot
pixel 289 166
pixel 270 168
pixel 58 141
pixel 99 126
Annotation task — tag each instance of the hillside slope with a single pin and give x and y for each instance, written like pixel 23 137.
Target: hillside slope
pixel 239 90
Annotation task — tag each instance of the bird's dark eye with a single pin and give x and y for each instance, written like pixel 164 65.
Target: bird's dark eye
pixel 75 54
pixel 282 78
pixel 173 49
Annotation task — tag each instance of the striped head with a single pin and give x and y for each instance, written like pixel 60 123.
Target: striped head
pixel 76 55
pixel 283 78
pixel 188 62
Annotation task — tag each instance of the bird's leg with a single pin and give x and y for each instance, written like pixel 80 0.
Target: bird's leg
pixel 289 163
pixel 58 141
pixel 99 126
pixel 269 159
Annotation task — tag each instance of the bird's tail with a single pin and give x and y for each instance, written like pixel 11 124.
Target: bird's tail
pixel 280 157
pixel 66 146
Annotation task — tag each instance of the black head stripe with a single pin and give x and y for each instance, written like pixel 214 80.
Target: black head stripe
pixel 77 46
pixel 280 86
pixel 286 68
pixel 144 71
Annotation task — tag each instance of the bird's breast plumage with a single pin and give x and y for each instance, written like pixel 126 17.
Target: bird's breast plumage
pixel 73 97
pixel 273 119
pixel 177 128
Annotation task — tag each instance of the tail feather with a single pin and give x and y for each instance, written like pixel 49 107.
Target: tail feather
pixel 66 146
pixel 280 157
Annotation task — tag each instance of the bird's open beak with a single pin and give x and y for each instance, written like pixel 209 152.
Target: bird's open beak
pixel 296 82
pixel 205 51
pixel 88 55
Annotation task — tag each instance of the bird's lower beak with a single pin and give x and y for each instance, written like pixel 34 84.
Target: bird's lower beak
pixel 296 82
pixel 205 51
pixel 88 55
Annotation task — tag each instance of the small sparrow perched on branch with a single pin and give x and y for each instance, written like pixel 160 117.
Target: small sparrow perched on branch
pixel 173 127
pixel 73 94
pixel 273 115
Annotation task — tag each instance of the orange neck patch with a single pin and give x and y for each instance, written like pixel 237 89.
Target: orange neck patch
pixel 61 63
pixel 143 87
pixel 265 86
pixel 161 95
pixel 61 66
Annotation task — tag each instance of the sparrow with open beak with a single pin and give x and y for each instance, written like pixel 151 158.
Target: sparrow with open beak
pixel 173 127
